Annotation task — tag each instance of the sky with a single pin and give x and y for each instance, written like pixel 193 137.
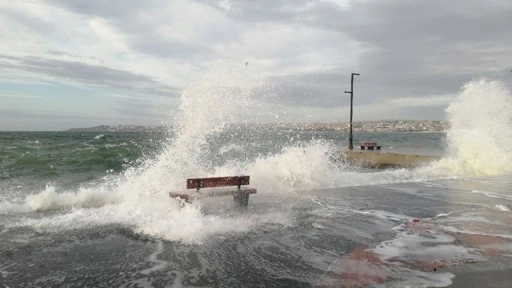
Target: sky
pixel 82 63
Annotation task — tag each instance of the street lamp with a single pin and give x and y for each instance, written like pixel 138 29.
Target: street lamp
pixel 350 137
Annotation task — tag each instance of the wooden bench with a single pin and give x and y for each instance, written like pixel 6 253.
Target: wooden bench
pixel 370 146
pixel 240 195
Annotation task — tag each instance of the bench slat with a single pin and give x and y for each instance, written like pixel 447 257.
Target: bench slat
pixel 195 183
pixel 240 195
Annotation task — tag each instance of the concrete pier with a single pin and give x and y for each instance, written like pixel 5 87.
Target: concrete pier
pixel 384 160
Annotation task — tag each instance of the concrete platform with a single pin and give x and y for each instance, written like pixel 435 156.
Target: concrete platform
pixel 384 160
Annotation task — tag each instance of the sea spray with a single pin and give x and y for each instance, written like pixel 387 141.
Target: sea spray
pixel 305 166
pixel 222 97
pixel 139 197
pixel 480 134
pixel 226 95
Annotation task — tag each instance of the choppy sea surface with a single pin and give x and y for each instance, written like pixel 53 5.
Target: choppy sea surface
pixel 81 209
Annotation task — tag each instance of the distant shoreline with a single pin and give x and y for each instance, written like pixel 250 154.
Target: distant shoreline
pixel 362 126
pixel 119 128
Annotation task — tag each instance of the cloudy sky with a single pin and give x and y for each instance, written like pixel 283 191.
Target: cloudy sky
pixel 82 63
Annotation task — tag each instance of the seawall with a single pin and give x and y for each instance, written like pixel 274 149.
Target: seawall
pixel 384 160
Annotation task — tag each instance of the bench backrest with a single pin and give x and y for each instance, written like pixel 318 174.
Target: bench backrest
pixel 197 183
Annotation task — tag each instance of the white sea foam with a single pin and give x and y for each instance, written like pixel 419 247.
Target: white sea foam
pixel 503 208
pixel 49 199
pixel 431 246
pixel 493 195
pixel 418 251
pixel 153 258
pixel 481 131
pixel 139 197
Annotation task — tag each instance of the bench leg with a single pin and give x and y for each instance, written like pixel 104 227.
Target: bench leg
pixel 241 200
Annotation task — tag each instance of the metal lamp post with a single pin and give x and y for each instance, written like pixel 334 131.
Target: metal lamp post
pixel 350 137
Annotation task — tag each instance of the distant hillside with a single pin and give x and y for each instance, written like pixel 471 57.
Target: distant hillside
pixel 384 125
pixel 119 128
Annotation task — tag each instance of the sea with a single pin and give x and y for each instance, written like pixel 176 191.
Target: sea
pixel 91 209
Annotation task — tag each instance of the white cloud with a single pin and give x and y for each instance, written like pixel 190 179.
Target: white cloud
pixel 412 56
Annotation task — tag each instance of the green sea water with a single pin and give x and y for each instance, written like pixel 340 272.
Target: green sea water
pixel 31 160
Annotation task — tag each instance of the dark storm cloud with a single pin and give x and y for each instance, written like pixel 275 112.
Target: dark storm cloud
pixel 408 47
pixel 89 74
pixel 130 16
pixel 112 9
pixel 262 11
pixel 141 21
pixel 281 11
pixel 36 24
pixel 426 47
pixel 395 23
